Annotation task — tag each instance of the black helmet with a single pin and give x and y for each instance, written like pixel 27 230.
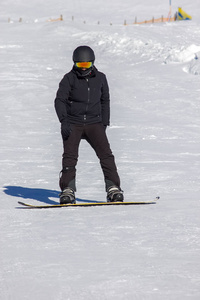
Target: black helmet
pixel 83 53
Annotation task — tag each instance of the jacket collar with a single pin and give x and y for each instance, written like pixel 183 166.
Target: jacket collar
pixel 91 72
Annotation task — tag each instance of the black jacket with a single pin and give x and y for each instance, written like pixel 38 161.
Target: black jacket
pixel 83 99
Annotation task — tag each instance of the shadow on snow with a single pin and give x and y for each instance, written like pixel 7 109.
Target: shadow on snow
pixel 42 195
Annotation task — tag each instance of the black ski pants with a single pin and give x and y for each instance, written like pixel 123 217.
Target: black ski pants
pixel 96 137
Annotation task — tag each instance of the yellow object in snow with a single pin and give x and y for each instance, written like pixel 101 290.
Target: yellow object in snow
pixel 182 15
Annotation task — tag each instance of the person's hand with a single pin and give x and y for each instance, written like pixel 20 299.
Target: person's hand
pixel 65 129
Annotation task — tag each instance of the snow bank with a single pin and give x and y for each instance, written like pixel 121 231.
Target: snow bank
pixel 194 66
pixel 185 55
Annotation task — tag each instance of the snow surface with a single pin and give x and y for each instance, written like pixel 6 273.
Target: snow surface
pixel 138 252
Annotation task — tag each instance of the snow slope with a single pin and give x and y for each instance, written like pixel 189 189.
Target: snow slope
pixel 153 71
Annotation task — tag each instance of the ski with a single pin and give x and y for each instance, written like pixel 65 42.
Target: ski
pixel 86 204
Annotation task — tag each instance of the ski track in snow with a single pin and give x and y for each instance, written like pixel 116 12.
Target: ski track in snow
pixel 143 252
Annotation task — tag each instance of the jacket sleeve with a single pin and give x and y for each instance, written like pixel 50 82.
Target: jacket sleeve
pixel 105 102
pixel 61 98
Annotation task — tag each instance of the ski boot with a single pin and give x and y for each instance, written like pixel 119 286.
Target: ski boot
pixel 67 196
pixel 114 194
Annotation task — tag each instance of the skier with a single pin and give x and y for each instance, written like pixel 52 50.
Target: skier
pixel 83 107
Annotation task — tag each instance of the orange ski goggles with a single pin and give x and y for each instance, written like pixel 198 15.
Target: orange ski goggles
pixel 83 65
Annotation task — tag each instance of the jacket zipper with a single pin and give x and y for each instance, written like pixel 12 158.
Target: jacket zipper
pixel 88 100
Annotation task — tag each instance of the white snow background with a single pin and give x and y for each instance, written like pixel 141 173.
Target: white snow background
pixel 101 253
